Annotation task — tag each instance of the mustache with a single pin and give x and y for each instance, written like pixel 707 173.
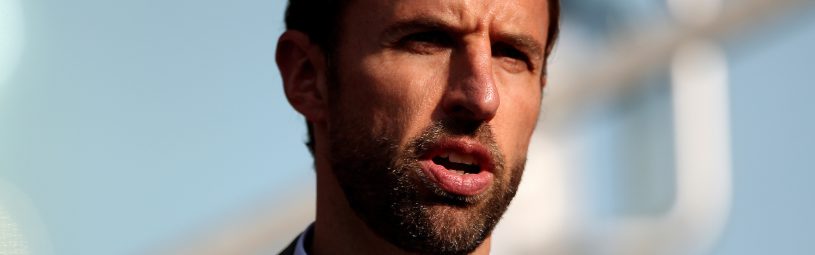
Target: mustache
pixel 438 130
pixel 476 130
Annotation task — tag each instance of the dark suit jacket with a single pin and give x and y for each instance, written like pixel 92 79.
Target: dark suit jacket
pixel 290 249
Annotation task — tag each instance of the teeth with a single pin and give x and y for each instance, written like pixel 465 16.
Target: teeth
pixel 461 158
pixel 445 155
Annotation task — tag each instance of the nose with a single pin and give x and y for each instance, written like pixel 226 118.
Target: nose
pixel 471 94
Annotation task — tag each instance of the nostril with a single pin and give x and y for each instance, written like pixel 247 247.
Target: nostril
pixel 461 112
pixel 458 109
pixel 468 110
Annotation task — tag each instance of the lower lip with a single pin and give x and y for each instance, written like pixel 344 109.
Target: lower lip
pixel 453 182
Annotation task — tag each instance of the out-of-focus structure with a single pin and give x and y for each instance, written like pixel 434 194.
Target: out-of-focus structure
pixel 12 241
pixel 10 45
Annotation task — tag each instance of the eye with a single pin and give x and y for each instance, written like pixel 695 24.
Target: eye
pixel 514 59
pixel 426 42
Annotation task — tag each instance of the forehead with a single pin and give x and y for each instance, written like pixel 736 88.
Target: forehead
pixel 516 16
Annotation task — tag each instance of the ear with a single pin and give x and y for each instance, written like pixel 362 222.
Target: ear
pixel 544 80
pixel 302 67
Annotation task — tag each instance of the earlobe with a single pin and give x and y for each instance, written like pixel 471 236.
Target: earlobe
pixel 544 79
pixel 302 67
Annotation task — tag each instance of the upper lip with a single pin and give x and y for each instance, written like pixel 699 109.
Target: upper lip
pixel 466 146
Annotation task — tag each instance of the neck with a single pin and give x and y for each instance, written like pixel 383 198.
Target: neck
pixel 338 230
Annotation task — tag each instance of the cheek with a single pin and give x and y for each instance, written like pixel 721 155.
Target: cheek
pixel 397 94
pixel 516 118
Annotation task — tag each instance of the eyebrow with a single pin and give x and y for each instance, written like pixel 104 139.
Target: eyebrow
pixel 523 42
pixel 417 24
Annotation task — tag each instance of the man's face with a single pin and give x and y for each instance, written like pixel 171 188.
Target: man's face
pixel 432 106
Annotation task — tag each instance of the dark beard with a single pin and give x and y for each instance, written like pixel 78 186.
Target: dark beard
pixel 385 187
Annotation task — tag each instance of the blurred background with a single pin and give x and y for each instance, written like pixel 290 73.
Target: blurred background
pixel 159 127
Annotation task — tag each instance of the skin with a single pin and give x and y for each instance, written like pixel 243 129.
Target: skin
pixel 405 64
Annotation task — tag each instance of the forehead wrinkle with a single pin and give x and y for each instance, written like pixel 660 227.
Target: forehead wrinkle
pixel 496 18
pixel 482 18
pixel 468 16
pixel 465 16
pixel 406 13
pixel 499 20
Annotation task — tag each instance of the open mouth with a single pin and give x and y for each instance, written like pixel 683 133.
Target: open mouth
pixel 459 166
pixel 459 163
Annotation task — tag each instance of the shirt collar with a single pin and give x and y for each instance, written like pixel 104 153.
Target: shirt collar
pixel 300 247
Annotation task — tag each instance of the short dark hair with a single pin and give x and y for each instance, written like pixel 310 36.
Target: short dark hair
pixel 320 20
